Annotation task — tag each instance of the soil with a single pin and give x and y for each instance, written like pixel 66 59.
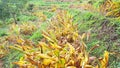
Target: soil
pixel 1 64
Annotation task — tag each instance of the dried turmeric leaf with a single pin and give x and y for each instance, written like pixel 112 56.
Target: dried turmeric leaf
pixel 44 56
pixel 71 67
pixel 104 61
pixel 72 49
pixel 47 61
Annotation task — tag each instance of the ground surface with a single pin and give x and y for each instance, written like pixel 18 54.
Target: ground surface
pixel 1 63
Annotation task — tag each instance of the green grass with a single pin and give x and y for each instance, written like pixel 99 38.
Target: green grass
pixel 13 56
pixel 26 18
pixel 37 36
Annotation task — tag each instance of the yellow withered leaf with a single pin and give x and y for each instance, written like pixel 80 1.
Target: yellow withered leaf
pixel 72 49
pixel 21 62
pixel 75 36
pixel 71 62
pixel 19 49
pixel 48 38
pixel 44 56
pixel 104 61
pixel 44 46
pixel 20 41
pixel 97 66
pixel 84 61
pixel 83 35
pixel 30 66
pixel 47 61
pixel 56 52
pixel 71 67
pixel 89 66
pixel 54 45
pixel 61 63
pixel 32 61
